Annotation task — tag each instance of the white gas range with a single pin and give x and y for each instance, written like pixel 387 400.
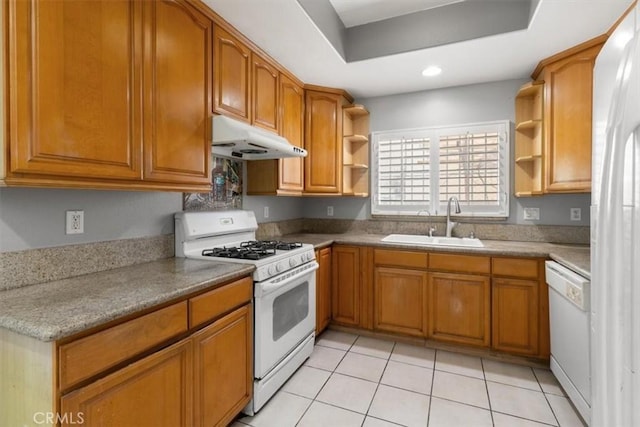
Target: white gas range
pixel 284 290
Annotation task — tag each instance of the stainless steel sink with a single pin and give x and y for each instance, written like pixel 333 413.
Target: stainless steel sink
pixel 417 239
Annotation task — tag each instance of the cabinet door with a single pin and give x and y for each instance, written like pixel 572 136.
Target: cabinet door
pixel 459 308
pixel 323 289
pixel 73 71
pixel 177 93
pixel 223 368
pixel 232 75
pixel 345 285
pixel 568 111
pixel 291 176
pixel 515 316
pixel 400 297
pixel 265 93
pixel 155 391
pixel 323 142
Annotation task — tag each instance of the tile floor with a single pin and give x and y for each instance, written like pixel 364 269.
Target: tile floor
pixel 351 380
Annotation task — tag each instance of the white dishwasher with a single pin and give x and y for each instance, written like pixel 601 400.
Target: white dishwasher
pixel 569 322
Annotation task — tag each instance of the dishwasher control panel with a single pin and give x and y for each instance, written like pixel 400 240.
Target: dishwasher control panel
pixel 571 285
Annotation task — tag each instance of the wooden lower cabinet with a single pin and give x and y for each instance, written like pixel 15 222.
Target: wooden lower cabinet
pixel 400 299
pixel 345 285
pixel 459 308
pixel 515 315
pixel 223 373
pixel 323 289
pixel 155 391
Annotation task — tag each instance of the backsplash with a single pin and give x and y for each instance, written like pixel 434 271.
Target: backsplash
pixel 28 267
pixel 489 231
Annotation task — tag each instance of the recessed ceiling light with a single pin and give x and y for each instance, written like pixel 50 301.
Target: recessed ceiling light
pixel 431 71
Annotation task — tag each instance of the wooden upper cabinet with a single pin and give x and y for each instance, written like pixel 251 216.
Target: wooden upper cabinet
pixel 291 172
pixel 568 101
pixel 232 75
pixel 97 95
pixel 323 142
pixel 265 79
pixel 177 107
pixel 282 176
pixel 72 71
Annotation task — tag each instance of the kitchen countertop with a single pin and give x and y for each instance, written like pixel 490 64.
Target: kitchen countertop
pixel 574 257
pixel 58 309
pixel 61 308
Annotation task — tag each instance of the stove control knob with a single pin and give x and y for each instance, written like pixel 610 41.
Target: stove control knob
pixel 272 270
pixel 310 256
pixel 279 267
pixel 293 262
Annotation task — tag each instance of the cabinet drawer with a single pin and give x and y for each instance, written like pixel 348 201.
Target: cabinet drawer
pixel 400 258
pixel 212 304
pixel 88 356
pixel 460 263
pixel 516 267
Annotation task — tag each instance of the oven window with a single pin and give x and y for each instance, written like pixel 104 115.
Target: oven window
pixel 289 309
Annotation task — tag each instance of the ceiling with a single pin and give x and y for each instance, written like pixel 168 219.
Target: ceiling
pixel 315 49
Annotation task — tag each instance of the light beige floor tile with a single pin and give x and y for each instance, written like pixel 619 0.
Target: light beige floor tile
pixel 325 358
pixel 373 347
pixel 414 355
pixel 520 402
pixel 548 382
pixel 322 415
pixel 472 391
pixel 445 413
pixel 459 364
pixel 565 413
pixel 375 422
pixel 408 377
pixel 508 373
pixel 504 420
pixel 362 366
pixel 238 424
pixel 349 393
pixel 400 406
pixel 336 339
pixel 283 410
pixel 307 382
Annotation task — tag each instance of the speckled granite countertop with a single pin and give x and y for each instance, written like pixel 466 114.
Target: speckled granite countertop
pixel 575 257
pixel 58 309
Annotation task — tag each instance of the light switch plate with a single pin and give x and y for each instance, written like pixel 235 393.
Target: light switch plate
pixel 531 214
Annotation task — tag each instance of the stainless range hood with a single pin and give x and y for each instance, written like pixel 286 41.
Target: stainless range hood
pixel 238 140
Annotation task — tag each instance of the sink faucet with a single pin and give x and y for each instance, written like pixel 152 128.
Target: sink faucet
pixel 451 224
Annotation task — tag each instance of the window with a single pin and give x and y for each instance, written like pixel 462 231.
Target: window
pixel 417 170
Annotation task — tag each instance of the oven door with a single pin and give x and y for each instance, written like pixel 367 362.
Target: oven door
pixel 285 314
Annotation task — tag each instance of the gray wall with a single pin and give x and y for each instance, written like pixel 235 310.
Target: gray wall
pixel 454 105
pixel 280 208
pixel 35 218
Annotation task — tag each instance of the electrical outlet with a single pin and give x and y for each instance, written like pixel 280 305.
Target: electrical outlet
pixel 266 212
pixel 75 222
pixel 531 214
pixel 329 210
pixel 575 214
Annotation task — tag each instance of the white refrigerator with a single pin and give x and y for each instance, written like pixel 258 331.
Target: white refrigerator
pixel 615 230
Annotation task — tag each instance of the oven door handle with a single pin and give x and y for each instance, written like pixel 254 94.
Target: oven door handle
pixel 282 281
